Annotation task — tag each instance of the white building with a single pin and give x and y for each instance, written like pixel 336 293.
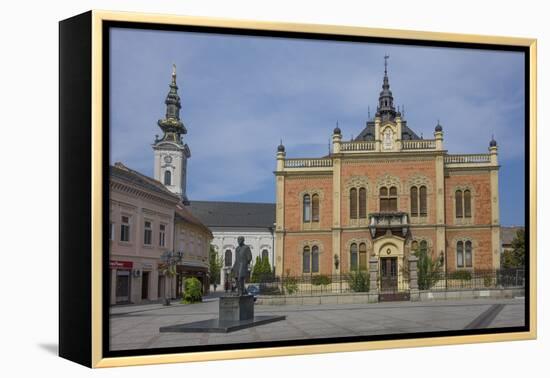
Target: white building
pixel 229 220
pixel 171 153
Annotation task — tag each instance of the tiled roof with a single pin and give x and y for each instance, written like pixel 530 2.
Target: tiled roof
pixel 185 214
pixel 507 234
pixel 368 132
pixel 122 172
pixel 234 214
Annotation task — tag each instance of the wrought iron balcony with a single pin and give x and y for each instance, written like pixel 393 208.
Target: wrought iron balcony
pixel 396 222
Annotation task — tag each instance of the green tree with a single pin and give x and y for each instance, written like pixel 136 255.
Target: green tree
pixel 427 269
pixel 193 290
pixel 515 258
pixel 256 270
pixel 359 281
pixel 261 269
pixel 266 267
pixel 216 264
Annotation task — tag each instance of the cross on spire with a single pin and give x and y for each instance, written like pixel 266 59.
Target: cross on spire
pixel 386 57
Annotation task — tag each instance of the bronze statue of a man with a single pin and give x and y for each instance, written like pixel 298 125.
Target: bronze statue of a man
pixel 243 257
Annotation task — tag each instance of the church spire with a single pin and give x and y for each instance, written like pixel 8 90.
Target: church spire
pixel 171 125
pixel 385 108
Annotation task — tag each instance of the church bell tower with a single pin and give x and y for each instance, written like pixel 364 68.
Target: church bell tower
pixel 171 153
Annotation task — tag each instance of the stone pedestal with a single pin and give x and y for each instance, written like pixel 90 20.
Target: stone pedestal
pixel 413 278
pixel 235 312
pixel 235 308
pixel 373 275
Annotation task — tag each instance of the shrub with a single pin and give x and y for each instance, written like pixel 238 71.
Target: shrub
pixel 256 270
pixel 428 270
pixel 488 281
pixel 359 281
pixel 193 291
pixel 291 285
pixel 321 280
pixel 464 275
pixel 261 271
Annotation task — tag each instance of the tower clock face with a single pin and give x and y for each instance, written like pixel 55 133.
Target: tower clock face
pixel 168 159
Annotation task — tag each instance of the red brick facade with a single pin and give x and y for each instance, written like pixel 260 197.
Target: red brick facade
pixel 382 195
pixel 372 170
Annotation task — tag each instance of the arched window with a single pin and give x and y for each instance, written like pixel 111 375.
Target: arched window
pixel 414 246
pixel 460 254
pixel 353 203
pixel 228 258
pixel 393 199
pixel 315 259
pixel 388 199
pixel 307 208
pixel 423 201
pixel 414 201
pixel 167 177
pixel 468 254
pixel 458 204
pixel 353 256
pixel 265 254
pixel 362 256
pixel 467 204
pixel 362 203
pixel 306 259
pixel 315 208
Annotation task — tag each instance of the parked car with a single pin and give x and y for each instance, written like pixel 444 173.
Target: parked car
pixel 253 290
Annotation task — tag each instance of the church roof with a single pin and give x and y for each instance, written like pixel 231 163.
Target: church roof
pixel 368 132
pixel 185 215
pixel 123 173
pixel 234 214
pixel 386 111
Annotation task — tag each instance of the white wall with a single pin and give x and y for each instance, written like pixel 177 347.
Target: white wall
pixel 29 37
pixel 256 240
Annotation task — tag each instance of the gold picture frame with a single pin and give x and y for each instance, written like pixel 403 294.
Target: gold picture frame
pixel 92 25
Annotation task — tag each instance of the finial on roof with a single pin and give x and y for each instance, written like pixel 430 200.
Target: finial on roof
pixel 438 127
pixel 337 130
pixel 386 57
pixel 368 112
pixel 281 147
pixel 493 142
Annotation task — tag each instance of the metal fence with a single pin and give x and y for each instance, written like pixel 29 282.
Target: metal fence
pixel 359 282
pixel 494 279
pixel 314 284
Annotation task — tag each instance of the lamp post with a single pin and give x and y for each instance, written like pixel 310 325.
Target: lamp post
pixel 170 259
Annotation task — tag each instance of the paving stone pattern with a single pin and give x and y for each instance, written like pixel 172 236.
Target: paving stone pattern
pixel 137 327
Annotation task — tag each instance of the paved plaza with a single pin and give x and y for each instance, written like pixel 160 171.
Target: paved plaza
pixel 137 327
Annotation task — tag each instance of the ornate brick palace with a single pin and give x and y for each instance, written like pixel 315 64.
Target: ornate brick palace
pixel 383 195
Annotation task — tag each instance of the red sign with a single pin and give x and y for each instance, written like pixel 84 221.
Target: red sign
pixel 113 264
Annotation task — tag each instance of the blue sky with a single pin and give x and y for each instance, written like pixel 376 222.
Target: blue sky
pixel 241 95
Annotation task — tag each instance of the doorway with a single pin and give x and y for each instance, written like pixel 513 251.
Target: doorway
pixel 122 286
pixel 388 274
pixel 145 285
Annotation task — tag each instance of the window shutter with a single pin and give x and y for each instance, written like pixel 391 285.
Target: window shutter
pixel 362 203
pixel 353 203
pixel 414 201
pixel 458 203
